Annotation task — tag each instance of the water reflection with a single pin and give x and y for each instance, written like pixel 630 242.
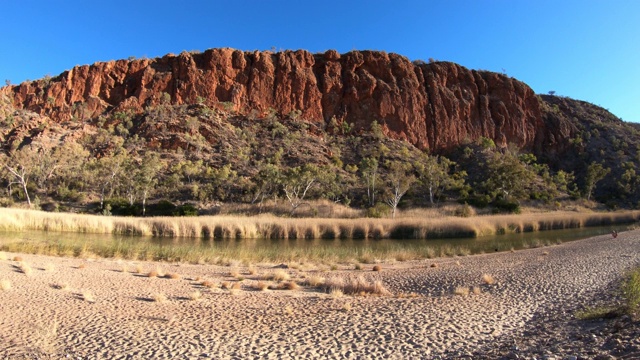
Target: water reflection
pixel 341 248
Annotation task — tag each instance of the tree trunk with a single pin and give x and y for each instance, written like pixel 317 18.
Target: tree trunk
pixel 26 193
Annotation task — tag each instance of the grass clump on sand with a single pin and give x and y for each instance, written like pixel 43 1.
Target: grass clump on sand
pixel 357 286
pixel 88 296
pixel 630 305
pixel 631 292
pixel 5 285
pixel 159 297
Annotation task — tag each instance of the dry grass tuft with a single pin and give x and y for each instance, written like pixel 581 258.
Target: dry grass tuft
pixel 124 269
pixel 195 296
pixel 278 275
pixel 358 286
pixel 336 293
pixel 377 268
pixel 315 281
pixel 346 307
pixel 5 284
pixel 358 267
pixel 25 268
pixel 234 274
pixel 173 276
pixel 159 297
pixel 157 272
pixel 88 296
pixel 81 266
pixel 262 286
pixel 461 290
pixel 287 285
pixel 476 290
pixel 289 310
pixel 407 295
pixel 435 265
pixel 545 253
pixel 488 279
pixel 236 286
pixel 153 273
pixel 252 270
pixel 226 285
pixel 138 269
pixel 208 284
pixel 17 258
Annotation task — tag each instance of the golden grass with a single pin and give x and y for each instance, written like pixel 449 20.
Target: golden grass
pixel 195 296
pixel 315 281
pixel 357 286
pixel 488 279
pixel 461 291
pixel 262 286
pixel 88 296
pixel 209 284
pixel 172 275
pixel 336 292
pixel 418 223
pixel 5 285
pixel 25 268
pixel 286 285
pixel 159 297
pixel 278 275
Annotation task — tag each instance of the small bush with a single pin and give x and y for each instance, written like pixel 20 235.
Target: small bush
pixel 464 211
pixel 379 210
pixel 186 210
pixel 508 206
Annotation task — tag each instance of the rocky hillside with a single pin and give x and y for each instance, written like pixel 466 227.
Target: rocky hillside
pixel 433 106
pixel 222 109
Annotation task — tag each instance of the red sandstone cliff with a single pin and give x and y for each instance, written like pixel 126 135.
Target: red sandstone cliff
pixel 436 105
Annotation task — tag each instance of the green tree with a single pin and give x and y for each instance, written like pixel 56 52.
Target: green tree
pixel 19 168
pixel 435 177
pixel 507 177
pixel 595 173
pixel 399 180
pixel 146 177
pixel 369 173
pixel 297 182
pixel 266 181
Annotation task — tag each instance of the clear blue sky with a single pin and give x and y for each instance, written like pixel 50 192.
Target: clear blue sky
pixel 584 49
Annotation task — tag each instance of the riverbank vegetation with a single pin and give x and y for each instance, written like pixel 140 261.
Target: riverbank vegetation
pixel 201 159
pixel 412 226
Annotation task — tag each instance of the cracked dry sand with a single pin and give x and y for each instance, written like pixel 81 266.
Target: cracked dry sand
pixel 44 314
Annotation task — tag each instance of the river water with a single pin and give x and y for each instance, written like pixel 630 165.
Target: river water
pixel 177 249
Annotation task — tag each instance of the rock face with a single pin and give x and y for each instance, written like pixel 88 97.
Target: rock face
pixel 434 106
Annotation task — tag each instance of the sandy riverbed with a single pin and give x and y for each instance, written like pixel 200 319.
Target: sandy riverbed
pixel 104 309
